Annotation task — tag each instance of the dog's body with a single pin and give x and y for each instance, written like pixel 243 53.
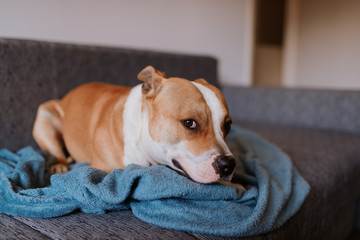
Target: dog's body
pixel 167 121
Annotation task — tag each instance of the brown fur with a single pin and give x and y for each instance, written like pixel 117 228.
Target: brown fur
pixel 87 125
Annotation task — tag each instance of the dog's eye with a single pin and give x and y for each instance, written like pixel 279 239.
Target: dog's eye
pixel 227 127
pixel 190 123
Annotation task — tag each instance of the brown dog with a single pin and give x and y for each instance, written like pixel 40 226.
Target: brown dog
pixel 168 121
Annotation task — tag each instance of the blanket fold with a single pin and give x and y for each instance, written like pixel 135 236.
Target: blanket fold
pixel 159 195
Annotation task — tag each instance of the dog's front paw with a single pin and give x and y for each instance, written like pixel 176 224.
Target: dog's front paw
pixel 70 160
pixel 59 168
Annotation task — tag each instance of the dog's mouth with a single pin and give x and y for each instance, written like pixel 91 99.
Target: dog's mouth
pixel 226 178
pixel 179 169
pixel 178 166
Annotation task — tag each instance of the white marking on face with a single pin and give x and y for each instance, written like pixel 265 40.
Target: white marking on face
pixel 217 114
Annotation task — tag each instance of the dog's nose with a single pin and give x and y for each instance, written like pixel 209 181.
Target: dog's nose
pixel 224 165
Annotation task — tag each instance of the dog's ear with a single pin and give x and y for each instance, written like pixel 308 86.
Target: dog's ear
pixel 152 79
pixel 201 81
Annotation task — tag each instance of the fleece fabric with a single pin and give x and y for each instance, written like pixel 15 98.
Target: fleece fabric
pixel 274 191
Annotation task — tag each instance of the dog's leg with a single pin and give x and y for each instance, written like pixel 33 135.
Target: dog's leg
pixel 47 132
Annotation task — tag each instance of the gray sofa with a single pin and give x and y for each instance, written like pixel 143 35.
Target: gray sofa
pixel 320 130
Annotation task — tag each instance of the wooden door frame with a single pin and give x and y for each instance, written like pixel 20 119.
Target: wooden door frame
pixel 290 54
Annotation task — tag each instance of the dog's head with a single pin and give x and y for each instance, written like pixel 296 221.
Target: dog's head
pixel 188 122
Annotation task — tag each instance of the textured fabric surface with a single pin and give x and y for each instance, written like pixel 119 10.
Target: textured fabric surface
pixel 322 109
pixel 113 225
pixel 10 228
pixel 33 72
pixel 328 160
pixel 157 194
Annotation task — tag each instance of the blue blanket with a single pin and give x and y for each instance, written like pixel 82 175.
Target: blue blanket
pixel 158 195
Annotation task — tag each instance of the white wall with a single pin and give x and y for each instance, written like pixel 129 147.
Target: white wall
pixel 220 28
pixel 329 44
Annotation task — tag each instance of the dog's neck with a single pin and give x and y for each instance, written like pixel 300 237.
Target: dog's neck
pixel 138 144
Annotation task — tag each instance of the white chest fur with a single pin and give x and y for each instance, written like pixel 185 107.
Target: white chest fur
pixel 139 147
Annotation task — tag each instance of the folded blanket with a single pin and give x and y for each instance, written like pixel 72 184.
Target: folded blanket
pixel 159 195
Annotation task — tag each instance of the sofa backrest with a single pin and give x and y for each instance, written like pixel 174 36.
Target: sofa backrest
pixel 33 72
pixel 321 109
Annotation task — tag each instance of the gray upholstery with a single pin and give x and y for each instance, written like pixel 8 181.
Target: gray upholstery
pixel 323 109
pixel 330 162
pixel 32 72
